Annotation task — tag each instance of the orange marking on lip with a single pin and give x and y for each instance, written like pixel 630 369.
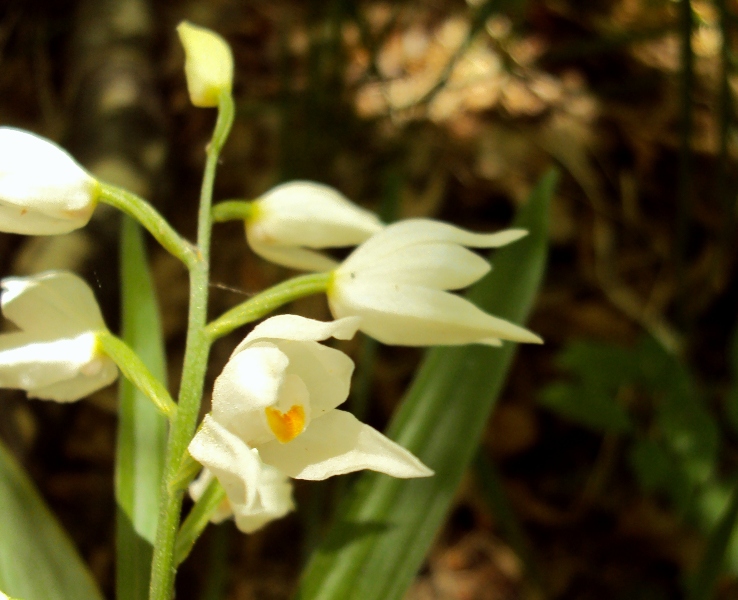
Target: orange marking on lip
pixel 286 426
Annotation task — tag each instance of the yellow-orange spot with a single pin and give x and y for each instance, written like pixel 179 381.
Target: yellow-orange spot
pixel 286 426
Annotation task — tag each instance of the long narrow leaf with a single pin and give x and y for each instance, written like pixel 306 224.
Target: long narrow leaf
pixel 37 559
pixel 386 526
pixel 141 428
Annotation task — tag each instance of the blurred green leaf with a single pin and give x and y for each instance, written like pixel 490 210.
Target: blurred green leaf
pixel 598 371
pixel 720 544
pixel 588 404
pixel 605 365
pixel 386 526
pixel 658 471
pixel 492 488
pixel 655 363
pixel 687 427
pixel 141 428
pixel 731 407
pixel 37 559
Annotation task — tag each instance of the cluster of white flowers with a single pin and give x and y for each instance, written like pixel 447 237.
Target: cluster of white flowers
pixel 274 406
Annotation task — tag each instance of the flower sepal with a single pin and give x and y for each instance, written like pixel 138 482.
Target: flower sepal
pixel 290 222
pixel 57 354
pixel 398 281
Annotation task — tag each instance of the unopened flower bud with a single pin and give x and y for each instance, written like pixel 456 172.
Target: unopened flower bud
pixel 208 64
pixel 43 190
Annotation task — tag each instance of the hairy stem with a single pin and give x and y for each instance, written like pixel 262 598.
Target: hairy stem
pixel 197 349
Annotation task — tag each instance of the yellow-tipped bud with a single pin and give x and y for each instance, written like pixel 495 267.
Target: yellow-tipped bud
pixel 208 64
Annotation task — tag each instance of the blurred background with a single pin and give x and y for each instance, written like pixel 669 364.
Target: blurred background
pixel 609 467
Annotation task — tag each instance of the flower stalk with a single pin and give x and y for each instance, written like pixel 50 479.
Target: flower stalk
pixel 152 221
pixel 137 372
pixel 198 519
pixel 267 301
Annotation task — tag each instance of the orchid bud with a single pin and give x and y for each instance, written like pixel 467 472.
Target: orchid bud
pixel 208 64
pixel 43 190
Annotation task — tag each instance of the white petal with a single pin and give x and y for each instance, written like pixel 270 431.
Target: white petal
pixel 298 215
pixel 97 374
pixel 18 219
pixel 274 500
pixel 61 370
pixel 439 265
pixel 338 443
pixel 208 64
pixel 250 382
pixel 292 257
pixel 257 492
pixel 228 458
pixel 43 190
pixel 304 213
pixel 415 316
pixel 295 327
pixel 197 489
pixel 417 232
pixel 51 305
pixel 326 373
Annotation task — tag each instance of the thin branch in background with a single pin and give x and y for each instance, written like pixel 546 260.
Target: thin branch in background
pixel 478 22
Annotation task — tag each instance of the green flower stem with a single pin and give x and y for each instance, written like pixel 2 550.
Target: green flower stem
pixel 232 210
pixel 198 519
pixel 137 372
pixel 197 348
pixel 152 221
pixel 267 301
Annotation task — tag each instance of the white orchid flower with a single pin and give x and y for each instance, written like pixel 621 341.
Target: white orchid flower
pixel 56 355
pixel 279 392
pixel 255 493
pixel 293 219
pixel 208 64
pixel 396 282
pixel 43 190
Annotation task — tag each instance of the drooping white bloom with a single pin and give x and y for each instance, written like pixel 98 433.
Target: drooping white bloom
pixel 56 355
pixel 208 64
pixel 279 393
pixel 396 282
pixel 43 190
pixel 256 493
pixel 293 219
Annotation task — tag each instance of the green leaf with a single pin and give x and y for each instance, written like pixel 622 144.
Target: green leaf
pixel 658 471
pixel 702 583
pixel 141 428
pixel 606 365
pixel 386 526
pixel 37 559
pixel 598 371
pixel 687 427
pixel 588 404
